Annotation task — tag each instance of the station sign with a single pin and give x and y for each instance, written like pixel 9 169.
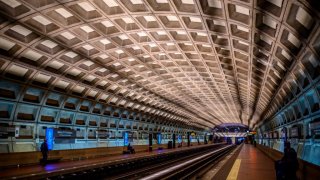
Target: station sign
pixel 251 133
pixel 64 136
pixel 59 133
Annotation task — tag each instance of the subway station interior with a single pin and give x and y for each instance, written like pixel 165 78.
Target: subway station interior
pixel 160 89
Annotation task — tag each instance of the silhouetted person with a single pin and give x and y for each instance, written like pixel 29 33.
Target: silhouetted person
pixel 205 141
pixel 131 149
pixel 288 165
pixel 44 150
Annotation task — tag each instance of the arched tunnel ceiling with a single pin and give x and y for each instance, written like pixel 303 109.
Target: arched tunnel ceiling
pixel 202 62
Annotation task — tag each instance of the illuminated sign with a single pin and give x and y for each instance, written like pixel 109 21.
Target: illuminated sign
pixel 49 137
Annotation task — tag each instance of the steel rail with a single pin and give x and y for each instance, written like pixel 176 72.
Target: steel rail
pixel 176 169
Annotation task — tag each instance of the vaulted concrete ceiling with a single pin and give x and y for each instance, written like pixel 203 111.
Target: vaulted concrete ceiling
pixel 202 62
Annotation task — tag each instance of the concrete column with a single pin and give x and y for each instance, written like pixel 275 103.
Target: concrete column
pixel 150 142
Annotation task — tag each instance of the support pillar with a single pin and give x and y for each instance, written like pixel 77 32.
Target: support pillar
pixel 188 138
pixel 150 142
pixel 205 139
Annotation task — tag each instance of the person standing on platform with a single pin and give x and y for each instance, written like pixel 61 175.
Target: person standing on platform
pixel 131 149
pixel 291 159
pixel 288 166
pixel 44 150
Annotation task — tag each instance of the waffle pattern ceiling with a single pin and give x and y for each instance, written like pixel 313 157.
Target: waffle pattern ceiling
pixel 202 62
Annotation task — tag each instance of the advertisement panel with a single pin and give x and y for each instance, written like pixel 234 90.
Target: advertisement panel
pixel 64 136
pixel 103 134
pixel 315 128
pixel 294 132
pixel 7 131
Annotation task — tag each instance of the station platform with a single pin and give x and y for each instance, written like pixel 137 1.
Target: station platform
pixel 39 171
pixel 252 164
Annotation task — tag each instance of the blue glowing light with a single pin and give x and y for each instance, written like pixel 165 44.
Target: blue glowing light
pixel 159 138
pixel 179 139
pixel 125 138
pixel 50 138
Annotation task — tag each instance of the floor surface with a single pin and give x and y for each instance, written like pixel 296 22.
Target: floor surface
pixel 252 164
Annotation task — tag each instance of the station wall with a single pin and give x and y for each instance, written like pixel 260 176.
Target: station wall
pixel 296 121
pixel 29 110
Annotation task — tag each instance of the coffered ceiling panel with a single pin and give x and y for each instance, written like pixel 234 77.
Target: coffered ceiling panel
pixel 201 62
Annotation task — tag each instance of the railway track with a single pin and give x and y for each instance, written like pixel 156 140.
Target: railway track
pixel 185 167
pixel 188 168
pixel 134 168
pixel 153 169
